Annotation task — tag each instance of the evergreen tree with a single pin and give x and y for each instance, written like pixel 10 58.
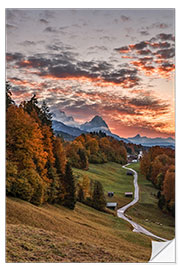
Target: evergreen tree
pixel 83 159
pixel 46 116
pixel 9 100
pixel 99 201
pixel 80 195
pixel 70 189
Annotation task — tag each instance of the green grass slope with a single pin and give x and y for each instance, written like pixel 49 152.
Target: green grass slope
pixel 147 213
pixel 113 178
pixel 56 234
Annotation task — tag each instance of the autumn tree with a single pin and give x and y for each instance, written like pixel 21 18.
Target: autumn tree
pixel 145 165
pixel 169 184
pixel 60 156
pixel 26 158
pixel 70 189
pixel 24 142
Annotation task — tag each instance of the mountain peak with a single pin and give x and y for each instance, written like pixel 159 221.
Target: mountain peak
pixel 137 136
pixel 98 121
pixel 96 124
pixel 97 117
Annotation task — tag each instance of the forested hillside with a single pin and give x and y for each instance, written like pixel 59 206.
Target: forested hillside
pixel 39 163
pixel 37 166
pixel 158 165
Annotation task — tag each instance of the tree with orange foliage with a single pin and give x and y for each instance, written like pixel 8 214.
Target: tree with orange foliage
pixel 145 165
pixel 26 155
pixel 48 145
pixel 60 156
pixel 24 142
pixel 169 184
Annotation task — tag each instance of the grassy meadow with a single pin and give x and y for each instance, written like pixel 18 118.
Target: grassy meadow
pixel 56 234
pixel 146 212
pixel 113 178
pixel 52 233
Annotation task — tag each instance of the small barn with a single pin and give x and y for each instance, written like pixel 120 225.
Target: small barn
pixel 110 194
pixel 128 194
pixel 129 173
pixel 112 205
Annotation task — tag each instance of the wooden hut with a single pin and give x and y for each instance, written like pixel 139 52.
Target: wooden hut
pixel 112 205
pixel 128 194
pixel 110 194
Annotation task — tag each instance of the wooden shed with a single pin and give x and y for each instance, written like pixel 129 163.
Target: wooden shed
pixel 110 194
pixel 129 173
pixel 128 194
pixel 112 205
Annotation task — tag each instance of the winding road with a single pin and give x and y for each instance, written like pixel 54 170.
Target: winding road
pixel 121 211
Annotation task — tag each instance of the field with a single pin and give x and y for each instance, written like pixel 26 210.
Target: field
pixel 113 178
pixel 56 234
pixel 52 233
pixel 147 213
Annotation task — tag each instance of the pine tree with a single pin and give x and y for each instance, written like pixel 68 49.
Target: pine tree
pixel 83 159
pixel 46 116
pixel 70 189
pixel 9 100
pixel 99 201
pixel 80 195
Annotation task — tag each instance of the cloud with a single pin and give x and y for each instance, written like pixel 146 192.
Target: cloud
pixel 11 26
pixel 158 50
pixel 59 47
pixel 124 49
pixel 144 33
pixel 149 103
pixel 50 29
pixel 144 52
pixel 164 36
pixel 165 53
pixel 65 66
pixel 43 21
pixel 14 56
pixel 125 18
pixel 27 43
pixel 107 38
pixel 139 46
pixel 102 48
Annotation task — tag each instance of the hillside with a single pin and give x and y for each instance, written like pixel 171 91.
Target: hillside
pixel 56 234
pixel 163 224
pixel 146 212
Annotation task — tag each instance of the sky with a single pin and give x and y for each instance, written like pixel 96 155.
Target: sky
pixel 115 63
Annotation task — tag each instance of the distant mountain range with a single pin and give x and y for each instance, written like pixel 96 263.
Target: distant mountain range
pixel 145 141
pixel 69 129
pixel 95 125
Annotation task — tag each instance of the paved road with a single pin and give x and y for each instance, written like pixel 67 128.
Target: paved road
pixel 121 211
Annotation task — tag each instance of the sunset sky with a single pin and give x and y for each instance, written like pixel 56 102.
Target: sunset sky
pixel 116 63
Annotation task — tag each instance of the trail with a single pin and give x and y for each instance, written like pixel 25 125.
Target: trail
pixel 121 211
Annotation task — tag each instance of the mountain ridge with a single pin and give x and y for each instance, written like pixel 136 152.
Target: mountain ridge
pixel 71 129
pixel 146 141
